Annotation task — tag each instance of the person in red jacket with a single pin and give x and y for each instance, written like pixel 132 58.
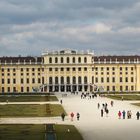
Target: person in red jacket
pixel 72 116
pixel 119 114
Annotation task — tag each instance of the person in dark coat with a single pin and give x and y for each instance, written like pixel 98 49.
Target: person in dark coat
pixel 138 115
pixel 123 114
pixel 78 116
pixel 63 116
pixel 102 112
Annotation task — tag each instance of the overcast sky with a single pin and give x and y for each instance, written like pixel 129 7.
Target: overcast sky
pixel 109 27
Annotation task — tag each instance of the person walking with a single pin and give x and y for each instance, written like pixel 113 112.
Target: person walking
pixel 98 105
pixel 119 114
pixel 78 116
pixel 102 112
pixel 63 116
pixel 138 115
pixel 112 103
pixel 61 101
pixel 123 114
pixel 72 116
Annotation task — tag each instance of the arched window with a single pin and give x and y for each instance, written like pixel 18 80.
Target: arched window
pixel 74 79
pixel 62 60
pixel 50 80
pixel 50 60
pixel 68 80
pixel 56 80
pixel 56 60
pixel 79 80
pixel 68 60
pixel 85 60
pixel 85 80
pixel 62 80
pixel 73 59
pixel 79 59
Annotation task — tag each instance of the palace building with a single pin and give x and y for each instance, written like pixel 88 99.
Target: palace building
pixel 70 71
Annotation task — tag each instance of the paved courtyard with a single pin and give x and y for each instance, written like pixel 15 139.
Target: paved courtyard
pixel 91 125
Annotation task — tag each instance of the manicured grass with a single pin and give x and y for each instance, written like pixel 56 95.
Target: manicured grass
pixel 47 110
pixel 20 98
pixel 37 132
pixel 22 132
pixel 137 104
pixel 63 134
pixel 125 97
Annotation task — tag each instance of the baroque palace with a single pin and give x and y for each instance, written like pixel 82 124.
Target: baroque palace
pixel 70 71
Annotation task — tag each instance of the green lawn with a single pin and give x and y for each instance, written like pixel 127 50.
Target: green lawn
pixel 125 97
pixel 25 98
pixel 37 132
pixel 22 132
pixel 63 134
pixel 48 110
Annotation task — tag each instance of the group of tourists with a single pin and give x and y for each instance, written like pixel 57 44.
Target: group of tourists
pixel 123 114
pixel 88 95
pixel 72 115
pixel 104 109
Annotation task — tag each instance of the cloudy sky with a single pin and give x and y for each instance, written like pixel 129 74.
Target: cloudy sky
pixel 28 27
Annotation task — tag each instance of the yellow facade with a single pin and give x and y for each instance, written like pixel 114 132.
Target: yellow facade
pixel 69 71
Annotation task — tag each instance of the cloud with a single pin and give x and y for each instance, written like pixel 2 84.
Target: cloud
pixel 31 26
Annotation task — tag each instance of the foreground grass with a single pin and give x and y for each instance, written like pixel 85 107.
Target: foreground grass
pixel 20 98
pixel 125 97
pixel 22 132
pixel 137 104
pixel 37 132
pixel 63 134
pixel 47 110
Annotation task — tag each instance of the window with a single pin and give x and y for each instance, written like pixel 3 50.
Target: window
pixel 43 69
pixel 2 89
pixel 73 59
pixel 107 80
pixel 92 79
pixel 56 80
pixel 62 69
pixel 62 60
pixel 68 69
pixel 27 80
pixel 79 80
pixel 108 88
pixel 85 80
pixel 120 68
pixel 121 88
pixel 102 68
pixel 28 89
pixel 39 81
pixel 102 79
pixel 33 80
pixel 113 88
pixel 14 69
pixel 96 69
pixel 62 80
pixel 113 68
pixel 126 88
pixel 126 68
pixel 85 68
pixel 14 81
pixel 50 69
pixel 68 80
pixel 27 69
pixel 8 81
pixel 85 60
pixel 79 59
pixel 50 80
pixel 121 79
pixel 56 60
pixel 22 69
pixel 8 89
pixel 132 88
pixel 96 80
pixel 8 70
pixel 56 69
pixel 22 89
pixel 42 80
pixel 132 79
pixel 68 60
pixel 113 79
pixel 33 69
pixel 2 81
pixel 107 68
pixel 79 69
pixel 74 80
pixel 2 69
pixel 50 60
pixel 14 89
pixel 132 68
pixel 74 69
pixel 126 79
